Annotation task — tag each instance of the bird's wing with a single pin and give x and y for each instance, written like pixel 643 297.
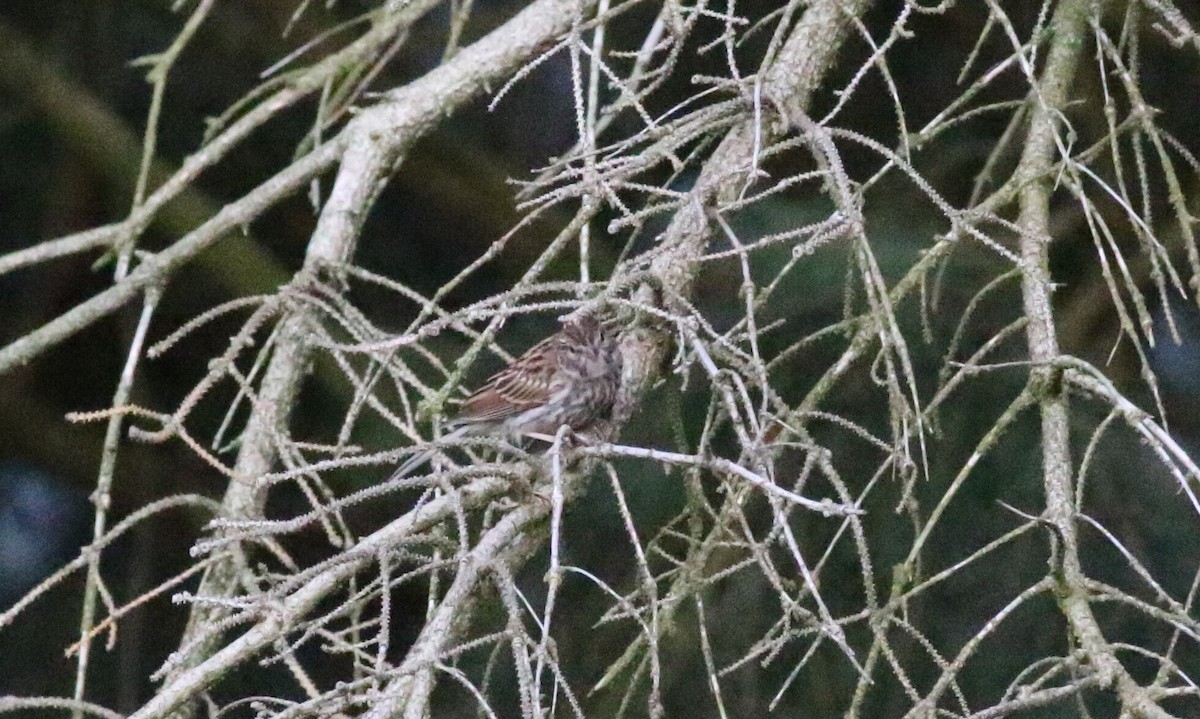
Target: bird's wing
pixel 524 384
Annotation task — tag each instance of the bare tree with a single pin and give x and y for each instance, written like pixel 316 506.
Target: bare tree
pixel 788 488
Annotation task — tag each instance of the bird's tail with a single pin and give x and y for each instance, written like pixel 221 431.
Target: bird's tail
pixel 425 455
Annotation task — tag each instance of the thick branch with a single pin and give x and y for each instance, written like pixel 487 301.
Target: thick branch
pixel 159 267
pixel 373 143
pixel 789 82
pixel 99 135
pixel 287 613
pixel 1042 147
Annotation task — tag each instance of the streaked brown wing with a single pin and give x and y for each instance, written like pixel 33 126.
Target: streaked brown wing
pixel 486 406
pixel 522 385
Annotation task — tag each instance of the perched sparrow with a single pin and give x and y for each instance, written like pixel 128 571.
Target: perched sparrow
pixel 570 378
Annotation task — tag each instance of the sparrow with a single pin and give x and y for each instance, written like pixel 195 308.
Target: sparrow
pixel 570 378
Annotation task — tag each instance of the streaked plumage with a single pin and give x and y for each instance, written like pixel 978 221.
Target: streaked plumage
pixel 571 377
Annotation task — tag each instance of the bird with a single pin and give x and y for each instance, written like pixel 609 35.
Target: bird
pixel 570 378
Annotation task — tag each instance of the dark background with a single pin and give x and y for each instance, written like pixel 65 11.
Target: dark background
pixel 447 203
